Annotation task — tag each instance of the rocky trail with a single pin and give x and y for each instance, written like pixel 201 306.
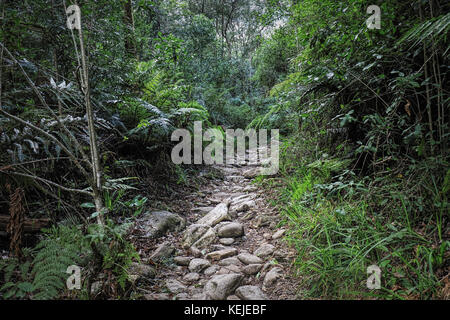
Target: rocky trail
pixel 228 247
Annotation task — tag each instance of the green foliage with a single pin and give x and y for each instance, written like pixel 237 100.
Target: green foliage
pixel 341 224
pixel 62 247
pixel 41 274
pixel 117 253
pixel 272 58
pixel 363 112
pixel 16 277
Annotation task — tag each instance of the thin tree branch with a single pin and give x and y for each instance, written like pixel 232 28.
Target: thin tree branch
pixel 48 182
pixel 51 137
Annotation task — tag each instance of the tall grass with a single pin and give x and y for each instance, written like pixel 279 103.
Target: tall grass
pixel 341 224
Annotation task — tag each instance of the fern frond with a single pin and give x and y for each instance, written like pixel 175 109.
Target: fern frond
pixel 62 248
pixel 437 28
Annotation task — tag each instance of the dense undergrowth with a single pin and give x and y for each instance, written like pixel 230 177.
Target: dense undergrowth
pixel 364 174
pixel 342 223
pixel 365 170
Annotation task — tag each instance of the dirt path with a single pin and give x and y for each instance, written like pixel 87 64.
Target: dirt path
pixel 227 247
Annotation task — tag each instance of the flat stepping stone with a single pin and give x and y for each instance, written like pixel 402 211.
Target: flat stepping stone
pixel 231 230
pixel 243 206
pixel 216 215
pixel 251 173
pixel 175 286
pixel 157 296
pixel 272 277
pixel 157 223
pixel 226 241
pixel 252 269
pixel 242 197
pixel 182 296
pixel 235 178
pixel 250 293
pixel 221 254
pixel 198 265
pixel 250 189
pixel 164 251
pixel 248 258
pixel 191 277
pixel 230 261
pixel 182 261
pixel 211 270
pixel 221 286
pixel 264 251
pixel 208 238
pixel 193 233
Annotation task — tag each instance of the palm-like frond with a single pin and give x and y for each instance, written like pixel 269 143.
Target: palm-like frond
pixel 436 28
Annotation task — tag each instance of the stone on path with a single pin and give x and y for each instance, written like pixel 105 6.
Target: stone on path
pixel 140 270
pixel 230 261
pixel 193 233
pixel 175 286
pixel 182 261
pixel 158 223
pixel 250 189
pixel 250 293
pixel 222 254
pixel 262 221
pixel 243 206
pixel 231 230
pixel 248 258
pixel 233 268
pixel 235 178
pixel 182 296
pixel 252 269
pixel 221 286
pixel 157 296
pixel 278 234
pixel 195 252
pixel 198 265
pixel 251 173
pixel 242 197
pixel 216 215
pixel 264 251
pixel 206 239
pixel 211 270
pixel 272 277
pixel 226 241
pixel 191 277
pixel 164 251
pixel 201 210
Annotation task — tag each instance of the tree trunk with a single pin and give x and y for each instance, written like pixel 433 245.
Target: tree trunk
pixel 130 41
pixel 96 168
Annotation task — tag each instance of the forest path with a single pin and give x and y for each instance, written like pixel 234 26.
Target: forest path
pixel 230 249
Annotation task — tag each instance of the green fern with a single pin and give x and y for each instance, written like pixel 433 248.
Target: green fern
pixel 62 248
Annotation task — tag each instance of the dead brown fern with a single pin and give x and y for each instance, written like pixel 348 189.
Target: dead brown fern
pixel 16 221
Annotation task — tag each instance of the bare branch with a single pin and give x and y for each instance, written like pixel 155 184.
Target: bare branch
pixel 48 182
pixel 51 137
